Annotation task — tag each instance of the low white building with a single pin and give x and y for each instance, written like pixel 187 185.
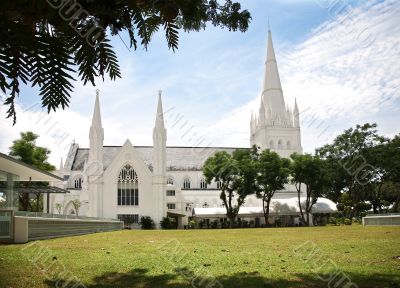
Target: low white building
pixel 128 182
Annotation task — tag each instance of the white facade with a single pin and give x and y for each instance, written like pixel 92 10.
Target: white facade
pixel 132 181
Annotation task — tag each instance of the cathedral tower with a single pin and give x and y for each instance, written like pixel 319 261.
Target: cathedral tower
pixel 277 127
pixel 159 159
pixel 94 166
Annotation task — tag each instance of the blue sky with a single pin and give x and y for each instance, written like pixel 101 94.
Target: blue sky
pixel 340 62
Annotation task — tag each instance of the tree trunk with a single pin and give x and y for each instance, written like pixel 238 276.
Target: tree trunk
pixel 307 206
pixel 396 203
pixel 298 197
pixel 266 210
pixel 231 221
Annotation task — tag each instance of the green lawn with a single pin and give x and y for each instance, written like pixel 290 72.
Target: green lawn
pixel 283 257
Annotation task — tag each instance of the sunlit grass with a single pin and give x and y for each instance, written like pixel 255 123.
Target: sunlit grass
pixel 283 257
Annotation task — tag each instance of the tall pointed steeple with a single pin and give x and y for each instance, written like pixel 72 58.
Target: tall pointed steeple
pixel 159 160
pixel 296 116
pixel 159 141
pixel 277 126
pixel 94 167
pixel 160 113
pixel 272 88
pixel 96 120
pixel 96 138
pixel 96 135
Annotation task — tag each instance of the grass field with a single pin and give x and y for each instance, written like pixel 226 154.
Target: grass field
pixel 283 257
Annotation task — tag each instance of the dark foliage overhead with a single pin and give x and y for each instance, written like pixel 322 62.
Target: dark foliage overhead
pixel 44 42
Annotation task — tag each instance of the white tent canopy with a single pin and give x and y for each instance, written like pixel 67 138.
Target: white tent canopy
pixel 277 207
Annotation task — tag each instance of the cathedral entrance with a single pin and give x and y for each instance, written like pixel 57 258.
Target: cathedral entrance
pixel 177 219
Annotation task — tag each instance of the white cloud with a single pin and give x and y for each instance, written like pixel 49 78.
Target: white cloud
pixel 338 80
pixel 347 69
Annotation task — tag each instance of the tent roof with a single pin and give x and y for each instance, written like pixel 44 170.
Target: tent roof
pixel 277 207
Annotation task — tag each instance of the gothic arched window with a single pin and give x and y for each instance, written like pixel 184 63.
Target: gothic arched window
pixel 78 183
pixel 186 183
pixel 128 187
pixel 170 180
pixel 279 144
pixel 219 184
pixel 288 144
pixel 203 183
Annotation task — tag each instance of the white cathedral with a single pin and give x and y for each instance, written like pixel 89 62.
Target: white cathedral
pixel 127 182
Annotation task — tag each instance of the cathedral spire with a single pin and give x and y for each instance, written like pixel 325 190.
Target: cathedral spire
pixel 160 113
pixel 96 120
pixel 96 136
pixel 296 114
pixel 272 88
pixel 61 164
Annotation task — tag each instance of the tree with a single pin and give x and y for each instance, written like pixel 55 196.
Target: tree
pixel 236 174
pixel 59 207
pixel 44 41
pixel 348 161
pixel 26 150
pixel 308 170
pixel 272 175
pixel 76 203
pixel 385 158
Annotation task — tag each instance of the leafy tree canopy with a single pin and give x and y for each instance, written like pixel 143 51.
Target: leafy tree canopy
pixel 272 175
pixel 44 42
pixel 360 164
pixel 236 174
pixel 309 171
pixel 28 152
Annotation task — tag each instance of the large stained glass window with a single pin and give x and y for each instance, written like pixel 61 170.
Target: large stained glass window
pixel 128 187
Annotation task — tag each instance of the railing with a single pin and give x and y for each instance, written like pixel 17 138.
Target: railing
pixel 59 216
pixel 382 214
pixel 6 224
pixel 379 220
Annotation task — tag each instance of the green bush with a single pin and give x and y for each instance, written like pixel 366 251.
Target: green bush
pixel 166 223
pixel 347 221
pixel 192 224
pixel 147 223
pixel 332 221
pixel 337 221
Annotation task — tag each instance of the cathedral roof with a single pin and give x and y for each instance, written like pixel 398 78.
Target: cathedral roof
pixel 178 158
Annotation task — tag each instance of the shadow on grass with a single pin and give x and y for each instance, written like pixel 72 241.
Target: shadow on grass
pixel 183 277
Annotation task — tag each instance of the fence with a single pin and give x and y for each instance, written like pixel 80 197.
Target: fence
pixel 382 220
pixel 6 225
pixel 40 228
pixel 21 227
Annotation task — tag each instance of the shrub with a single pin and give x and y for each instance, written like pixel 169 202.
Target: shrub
pixel 192 224
pixel 347 221
pixel 166 223
pixel 332 221
pixel 147 223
